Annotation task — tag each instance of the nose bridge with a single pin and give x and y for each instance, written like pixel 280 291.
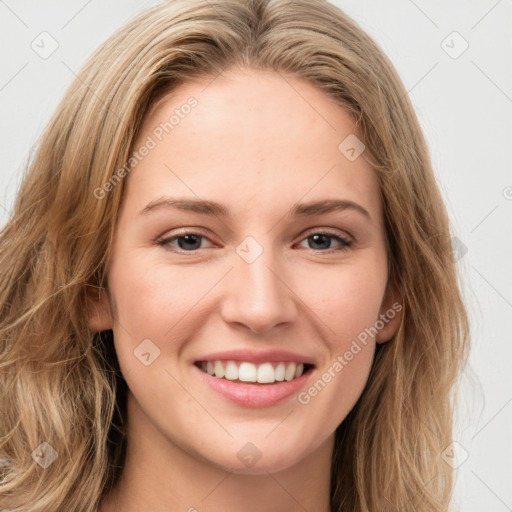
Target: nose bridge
pixel 258 296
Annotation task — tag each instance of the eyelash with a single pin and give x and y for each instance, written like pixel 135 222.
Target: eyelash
pixel 345 243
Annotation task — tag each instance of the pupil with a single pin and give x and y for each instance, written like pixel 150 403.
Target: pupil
pixel 190 239
pixel 324 237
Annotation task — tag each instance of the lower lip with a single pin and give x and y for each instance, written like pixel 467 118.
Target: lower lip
pixel 255 395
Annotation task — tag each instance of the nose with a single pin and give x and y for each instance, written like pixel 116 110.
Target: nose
pixel 259 295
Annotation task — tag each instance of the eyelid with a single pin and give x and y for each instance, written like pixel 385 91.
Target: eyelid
pixel 329 231
pixel 182 232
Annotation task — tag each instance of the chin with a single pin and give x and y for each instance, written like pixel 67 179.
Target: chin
pixel 263 466
pixel 256 459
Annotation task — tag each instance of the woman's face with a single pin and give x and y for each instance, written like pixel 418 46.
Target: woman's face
pixel 264 279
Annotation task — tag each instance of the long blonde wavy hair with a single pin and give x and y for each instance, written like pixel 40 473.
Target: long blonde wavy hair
pixel 61 383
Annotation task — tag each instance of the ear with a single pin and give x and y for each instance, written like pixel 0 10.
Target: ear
pixel 390 314
pixel 99 313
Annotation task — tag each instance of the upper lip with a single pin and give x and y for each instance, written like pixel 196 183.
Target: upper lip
pixel 257 357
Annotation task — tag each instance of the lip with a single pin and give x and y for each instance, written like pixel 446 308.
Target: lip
pixel 257 357
pixel 254 395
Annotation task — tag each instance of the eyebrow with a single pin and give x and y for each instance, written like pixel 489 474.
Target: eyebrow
pixel 218 210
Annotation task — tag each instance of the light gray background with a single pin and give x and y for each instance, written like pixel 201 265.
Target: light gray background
pixel 464 105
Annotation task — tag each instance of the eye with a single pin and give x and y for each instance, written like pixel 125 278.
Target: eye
pixel 187 241
pixel 322 240
pixel 190 242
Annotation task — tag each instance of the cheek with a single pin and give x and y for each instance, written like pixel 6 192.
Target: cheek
pixel 156 300
pixel 346 299
pixel 348 306
pixel 347 302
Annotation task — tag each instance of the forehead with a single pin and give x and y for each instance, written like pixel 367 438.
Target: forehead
pixel 266 137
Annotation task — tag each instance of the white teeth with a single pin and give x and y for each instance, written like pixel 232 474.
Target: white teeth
pixel 231 371
pixel 290 371
pixel 219 369
pixel 280 371
pixel 265 373
pixel 247 372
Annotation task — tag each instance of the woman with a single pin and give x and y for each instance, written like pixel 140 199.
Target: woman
pixel 301 354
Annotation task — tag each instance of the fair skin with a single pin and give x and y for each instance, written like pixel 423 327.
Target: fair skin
pixel 258 144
